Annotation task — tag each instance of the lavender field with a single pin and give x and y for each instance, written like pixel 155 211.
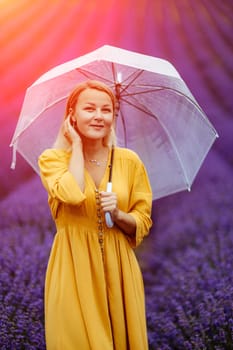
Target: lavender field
pixel 187 264
pixel 187 260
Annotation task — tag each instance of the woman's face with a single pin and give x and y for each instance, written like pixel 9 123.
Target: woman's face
pixel 94 114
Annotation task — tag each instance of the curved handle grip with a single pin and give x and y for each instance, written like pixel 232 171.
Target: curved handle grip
pixel 108 218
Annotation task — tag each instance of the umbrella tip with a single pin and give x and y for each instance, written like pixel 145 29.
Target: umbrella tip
pixel 119 77
pixel 13 162
pixel 13 165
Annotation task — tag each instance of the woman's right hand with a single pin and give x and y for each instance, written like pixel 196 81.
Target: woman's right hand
pixel 67 136
pixel 70 133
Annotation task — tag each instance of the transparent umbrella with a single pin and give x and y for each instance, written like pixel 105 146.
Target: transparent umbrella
pixel 158 116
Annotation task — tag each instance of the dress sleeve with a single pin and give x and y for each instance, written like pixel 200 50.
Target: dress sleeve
pixel 140 203
pixel 57 179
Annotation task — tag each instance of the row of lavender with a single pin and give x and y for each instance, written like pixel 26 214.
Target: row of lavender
pixel 187 259
pixel 187 265
pixel 26 235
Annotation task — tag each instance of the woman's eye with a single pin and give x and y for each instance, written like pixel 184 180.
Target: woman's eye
pixel 89 109
pixel 106 110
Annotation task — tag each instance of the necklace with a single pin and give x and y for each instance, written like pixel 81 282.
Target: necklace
pixel 97 162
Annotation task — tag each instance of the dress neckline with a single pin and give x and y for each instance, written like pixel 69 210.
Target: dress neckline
pixel 106 173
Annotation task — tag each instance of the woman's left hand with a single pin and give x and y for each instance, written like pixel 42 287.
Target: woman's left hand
pixel 108 201
pixel 124 221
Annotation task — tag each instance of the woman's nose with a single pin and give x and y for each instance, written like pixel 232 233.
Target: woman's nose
pixel 98 114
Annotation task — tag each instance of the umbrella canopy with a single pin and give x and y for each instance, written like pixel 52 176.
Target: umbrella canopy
pixel 158 117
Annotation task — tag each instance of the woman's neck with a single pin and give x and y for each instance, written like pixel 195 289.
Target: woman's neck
pixel 95 150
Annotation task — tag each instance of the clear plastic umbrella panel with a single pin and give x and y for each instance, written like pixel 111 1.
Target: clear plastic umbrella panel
pixel 158 117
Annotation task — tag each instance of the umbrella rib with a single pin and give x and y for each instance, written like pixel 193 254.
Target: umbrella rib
pixel 91 75
pixel 155 89
pixel 114 73
pixel 161 88
pixel 177 154
pixel 169 137
pixel 135 76
pixel 125 130
pixel 193 102
pixel 140 108
pixel 34 119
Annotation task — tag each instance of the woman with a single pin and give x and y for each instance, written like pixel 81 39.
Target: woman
pixel 94 296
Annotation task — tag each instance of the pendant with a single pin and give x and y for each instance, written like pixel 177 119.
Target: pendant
pixel 96 162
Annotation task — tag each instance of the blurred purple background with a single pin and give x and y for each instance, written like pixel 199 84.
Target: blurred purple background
pixel 187 260
pixel 196 36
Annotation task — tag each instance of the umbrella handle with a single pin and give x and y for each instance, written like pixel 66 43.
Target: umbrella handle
pixel 108 218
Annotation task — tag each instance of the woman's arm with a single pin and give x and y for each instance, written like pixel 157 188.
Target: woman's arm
pixel 69 139
pixel 136 221
pixel 125 222
pixel 76 166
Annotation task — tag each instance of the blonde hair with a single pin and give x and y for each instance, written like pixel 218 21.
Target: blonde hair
pixel 110 139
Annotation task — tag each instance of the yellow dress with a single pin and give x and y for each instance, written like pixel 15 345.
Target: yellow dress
pixel 94 293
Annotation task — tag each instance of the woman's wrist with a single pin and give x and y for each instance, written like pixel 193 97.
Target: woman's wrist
pixel 77 144
pixel 124 221
pixel 61 144
pixel 115 214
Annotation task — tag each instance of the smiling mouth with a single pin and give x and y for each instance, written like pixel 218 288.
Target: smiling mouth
pixel 97 126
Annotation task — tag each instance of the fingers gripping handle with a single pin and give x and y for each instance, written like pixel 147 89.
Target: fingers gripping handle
pixel 108 218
